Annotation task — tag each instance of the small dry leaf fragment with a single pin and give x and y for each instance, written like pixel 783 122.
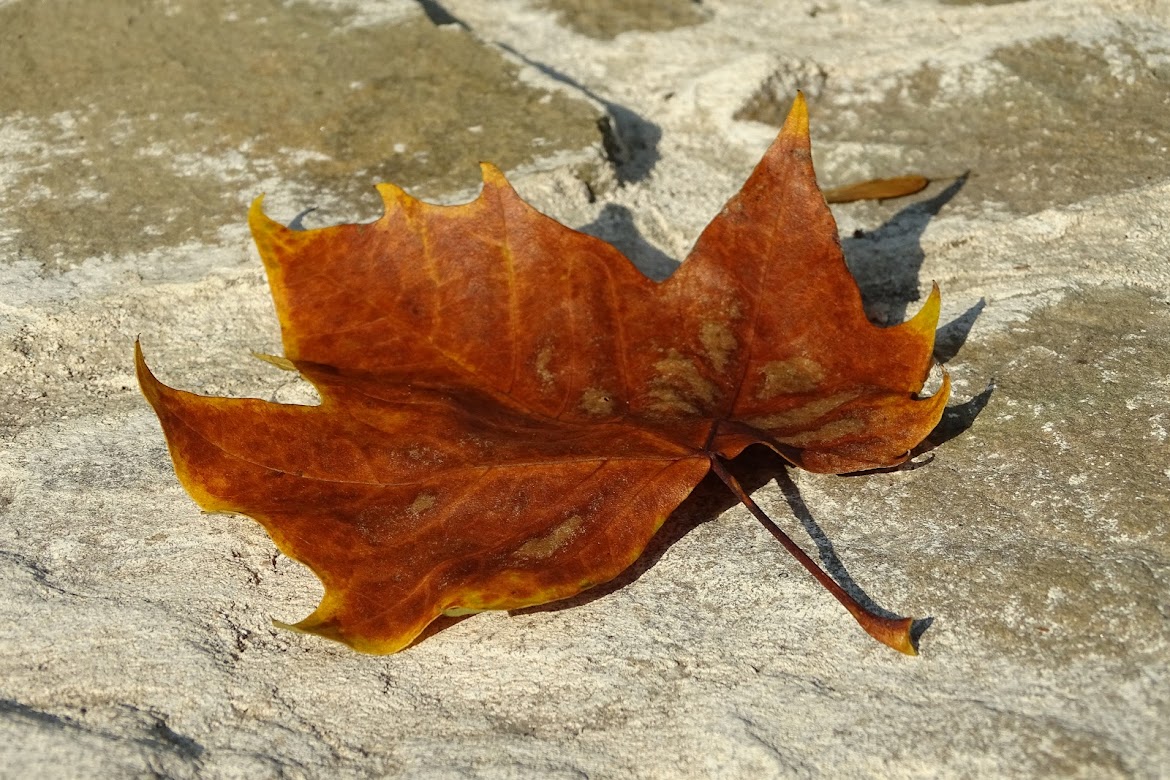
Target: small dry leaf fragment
pixel 510 410
pixel 877 189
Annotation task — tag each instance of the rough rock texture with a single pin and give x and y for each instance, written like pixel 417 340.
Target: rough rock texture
pixel 135 634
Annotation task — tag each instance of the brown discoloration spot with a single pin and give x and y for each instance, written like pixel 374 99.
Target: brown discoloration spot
pixel 422 503
pixel 795 375
pixel 827 433
pixel 719 343
pixel 546 546
pixel 679 385
pixel 597 402
pixel 420 455
pixel 667 400
pixel 803 415
pixel 543 363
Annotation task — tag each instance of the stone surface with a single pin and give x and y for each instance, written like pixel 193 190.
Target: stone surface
pixel 135 633
pixel 187 100
pixel 607 19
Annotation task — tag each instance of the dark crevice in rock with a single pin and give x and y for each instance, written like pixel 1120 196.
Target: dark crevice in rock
pixel 10 708
pixel 179 743
pixel 154 735
pixel 629 140
pixel 39 573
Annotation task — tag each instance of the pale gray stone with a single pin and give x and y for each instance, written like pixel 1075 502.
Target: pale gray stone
pixel 135 632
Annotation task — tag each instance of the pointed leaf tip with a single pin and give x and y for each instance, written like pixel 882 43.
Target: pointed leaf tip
pixel 274 240
pixel 139 360
pixel 392 195
pixel 147 383
pixel 925 322
pixel 797 122
pixel 256 210
pixel 262 226
pixel 891 632
pixel 493 176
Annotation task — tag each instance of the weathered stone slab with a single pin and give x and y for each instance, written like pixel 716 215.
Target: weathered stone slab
pixel 135 633
pixel 609 18
pixel 132 126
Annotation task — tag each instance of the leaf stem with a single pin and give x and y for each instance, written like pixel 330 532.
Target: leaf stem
pixel 894 632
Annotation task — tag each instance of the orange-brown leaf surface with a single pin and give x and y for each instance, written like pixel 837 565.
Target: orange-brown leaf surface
pixel 510 409
pixel 877 189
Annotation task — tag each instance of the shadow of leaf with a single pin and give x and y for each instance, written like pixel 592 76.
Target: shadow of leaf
pixel 956 420
pixel 630 141
pixel 950 338
pixel 886 262
pixel 825 550
pixel 707 501
pixel 615 225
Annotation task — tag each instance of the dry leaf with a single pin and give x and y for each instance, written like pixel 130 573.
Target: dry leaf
pixel 510 410
pixel 877 189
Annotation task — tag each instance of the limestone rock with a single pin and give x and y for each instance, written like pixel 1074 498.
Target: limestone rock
pixel 135 633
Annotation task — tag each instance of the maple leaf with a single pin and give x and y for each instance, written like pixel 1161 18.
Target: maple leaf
pixel 510 410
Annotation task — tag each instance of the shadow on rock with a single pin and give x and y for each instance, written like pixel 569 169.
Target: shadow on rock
pixel 956 420
pixel 754 468
pixel 615 225
pixel 886 261
pixel 831 563
pixel 950 338
pixel 630 142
